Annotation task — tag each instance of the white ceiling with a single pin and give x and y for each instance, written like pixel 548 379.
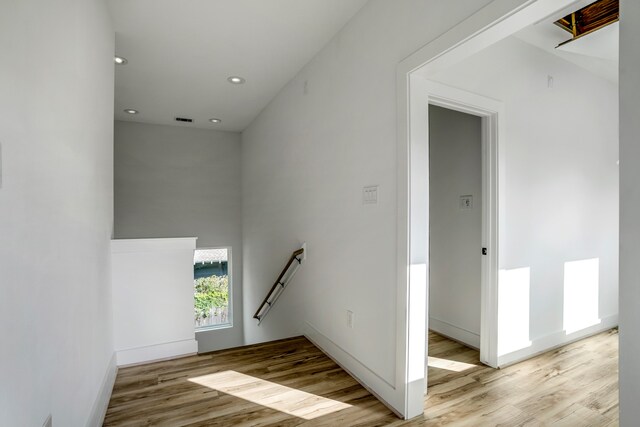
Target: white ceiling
pixel 602 43
pixel 181 52
pixel 596 52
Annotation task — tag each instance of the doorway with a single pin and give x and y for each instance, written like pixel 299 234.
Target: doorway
pixel 455 224
pixel 463 135
pixel 415 98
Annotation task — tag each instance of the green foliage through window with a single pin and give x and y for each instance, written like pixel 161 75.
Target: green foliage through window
pixel 211 296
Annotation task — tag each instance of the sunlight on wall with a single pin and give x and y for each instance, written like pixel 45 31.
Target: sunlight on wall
pixel 581 283
pixel 513 310
pixel 284 399
pixel 418 314
pixel 449 365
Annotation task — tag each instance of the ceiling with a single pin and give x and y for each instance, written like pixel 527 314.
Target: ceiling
pixel 180 53
pixel 596 52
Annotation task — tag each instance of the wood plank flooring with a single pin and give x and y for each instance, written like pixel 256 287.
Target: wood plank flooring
pixel 291 383
pixel 575 385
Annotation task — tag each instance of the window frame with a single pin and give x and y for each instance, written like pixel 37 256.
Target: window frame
pixel 229 323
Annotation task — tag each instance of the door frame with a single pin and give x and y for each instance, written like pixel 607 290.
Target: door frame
pixel 493 136
pixel 494 22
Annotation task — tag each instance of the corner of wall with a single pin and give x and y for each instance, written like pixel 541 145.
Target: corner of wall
pixel 386 393
pixel 99 409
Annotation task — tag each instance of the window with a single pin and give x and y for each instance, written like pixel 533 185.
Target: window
pixel 212 288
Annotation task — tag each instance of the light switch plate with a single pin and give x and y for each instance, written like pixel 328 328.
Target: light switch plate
pixel 370 195
pixel 466 202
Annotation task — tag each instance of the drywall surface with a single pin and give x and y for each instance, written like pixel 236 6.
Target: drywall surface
pixel 56 133
pixel 559 251
pixel 177 182
pixel 629 214
pixel 455 231
pixel 152 298
pixel 305 159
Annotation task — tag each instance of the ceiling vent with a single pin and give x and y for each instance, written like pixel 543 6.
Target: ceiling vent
pixel 184 120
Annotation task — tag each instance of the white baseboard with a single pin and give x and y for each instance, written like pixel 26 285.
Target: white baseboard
pixel 99 409
pixel 457 334
pixel 374 383
pixel 553 341
pixel 152 353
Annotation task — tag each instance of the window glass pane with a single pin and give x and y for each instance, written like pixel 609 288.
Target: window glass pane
pixel 211 287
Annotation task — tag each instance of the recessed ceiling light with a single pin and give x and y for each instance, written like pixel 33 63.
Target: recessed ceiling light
pixel 131 111
pixel 120 60
pixel 236 80
pixel 215 120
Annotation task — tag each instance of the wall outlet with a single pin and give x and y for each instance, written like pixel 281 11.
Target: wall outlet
pixel 350 318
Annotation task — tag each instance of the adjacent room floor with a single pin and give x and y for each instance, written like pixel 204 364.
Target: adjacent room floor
pixel 291 382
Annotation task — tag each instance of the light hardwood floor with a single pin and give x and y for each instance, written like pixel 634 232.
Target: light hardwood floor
pixel 290 383
pixel 575 385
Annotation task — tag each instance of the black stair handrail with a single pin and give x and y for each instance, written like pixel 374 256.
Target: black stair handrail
pixel 295 256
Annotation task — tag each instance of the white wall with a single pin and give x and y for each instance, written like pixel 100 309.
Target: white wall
pixel 176 182
pixel 152 299
pixel 305 160
pixel 561 202
pixel 455 235
pixel 56 130
pixel 629 213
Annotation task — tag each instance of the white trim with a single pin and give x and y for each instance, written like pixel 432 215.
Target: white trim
pixel 492 113
pixel 99 409
pixel 229 324
pixel 454 332
pixel 153 353
pixel 487 26
pixel 549 342
pixel 209 328
pixel 369 379
pixel 362 383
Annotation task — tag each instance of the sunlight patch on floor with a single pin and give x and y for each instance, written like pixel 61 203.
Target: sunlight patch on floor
pixel 284 399
pixel 449 365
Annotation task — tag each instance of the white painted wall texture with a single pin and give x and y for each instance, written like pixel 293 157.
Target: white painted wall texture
pixel 629 213
pixel 328 133
pixel 305 160
pixel 561 206
pixel 56 200
pixel 176 182
pixel 455 234
pixel 152 299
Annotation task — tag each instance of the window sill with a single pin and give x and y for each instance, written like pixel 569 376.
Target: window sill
pixel 214 327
